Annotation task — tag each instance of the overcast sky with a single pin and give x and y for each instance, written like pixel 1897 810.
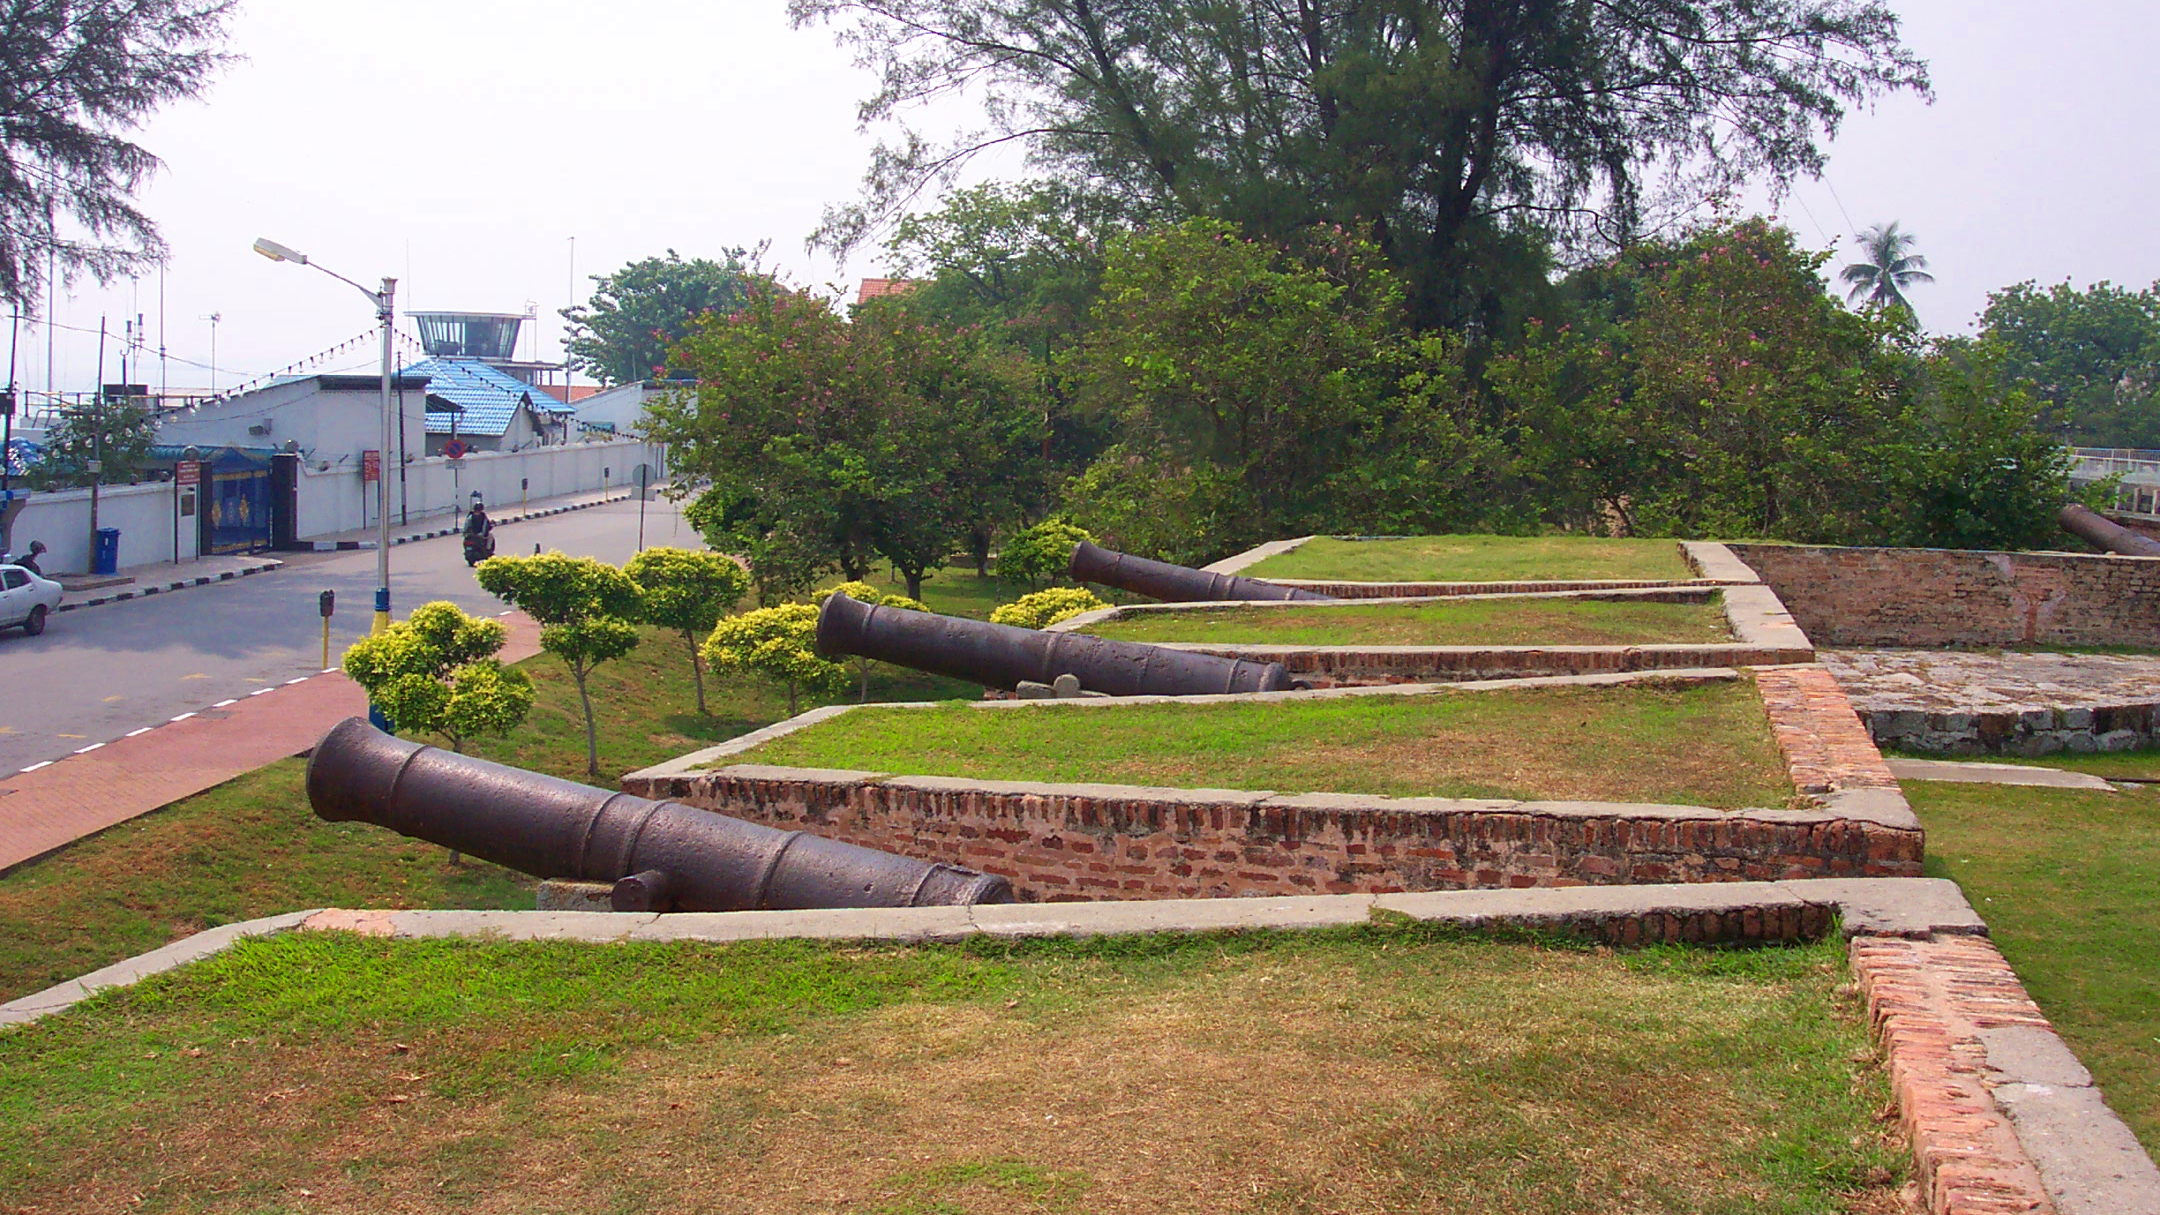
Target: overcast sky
pixel 461 145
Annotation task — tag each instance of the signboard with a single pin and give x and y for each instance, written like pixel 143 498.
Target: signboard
pixel 370 466
pixel 187 473
pixel 455 449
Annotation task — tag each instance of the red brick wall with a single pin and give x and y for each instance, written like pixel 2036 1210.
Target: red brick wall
pixel 1940 597
pixel 1100 842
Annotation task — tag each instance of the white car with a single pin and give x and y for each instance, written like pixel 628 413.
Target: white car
pixel 26 599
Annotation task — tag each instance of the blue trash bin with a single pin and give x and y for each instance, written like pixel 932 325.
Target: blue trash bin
pixel 108 551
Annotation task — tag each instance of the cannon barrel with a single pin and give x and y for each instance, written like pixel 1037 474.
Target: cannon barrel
pixel 661 856
pixel 1175 583
pixel 1001 656
pixel 2090 525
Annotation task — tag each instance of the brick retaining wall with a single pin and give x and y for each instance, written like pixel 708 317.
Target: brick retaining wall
pixel 1061 842
pixel 1943 597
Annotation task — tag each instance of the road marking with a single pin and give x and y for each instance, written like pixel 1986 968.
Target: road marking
pixel 183 717
pixel 87 750
pixel 260 691
pixel 71 736
pixel 34 767
pixel 133 733
pixel 291 682
pixel 197 675
pixel 221 704
pixel 329 671
pixel 111 699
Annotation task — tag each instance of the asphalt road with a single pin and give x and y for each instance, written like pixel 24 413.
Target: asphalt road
pixel 100 672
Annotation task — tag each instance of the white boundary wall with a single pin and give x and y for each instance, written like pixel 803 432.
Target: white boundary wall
pixel 337 501
pixel 143 513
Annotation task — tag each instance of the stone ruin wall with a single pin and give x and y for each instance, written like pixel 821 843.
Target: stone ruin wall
pixel 1940 597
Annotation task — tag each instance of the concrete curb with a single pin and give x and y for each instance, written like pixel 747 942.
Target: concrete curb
pixel 145 590
pixel 1254 555
pixel 1904 907
pixel 347 546
pixel 1996 774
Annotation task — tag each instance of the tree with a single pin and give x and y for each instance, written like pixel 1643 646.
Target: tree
pixel 779 644
pixel 74 76
pixel 585 609
pixel 624 332
pixel 1890 267
pixel 1728 395
pixel 688 591
pixel 830 443
pixel 436 671
pixel 115 434
pixel 1458 129
pixel 1040 553
pixel 1254 381
pixel 2091 358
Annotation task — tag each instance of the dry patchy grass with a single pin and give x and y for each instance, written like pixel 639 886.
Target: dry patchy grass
pixel 1386 1070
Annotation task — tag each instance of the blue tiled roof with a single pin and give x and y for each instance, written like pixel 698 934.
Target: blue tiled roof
pixel 490 398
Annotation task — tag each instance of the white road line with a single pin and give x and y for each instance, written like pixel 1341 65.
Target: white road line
pixel 87 750
pixel 183 717
pixel 221 704
pixel 291 682
pixel 260 691
pixel 42 764
pixel 133 733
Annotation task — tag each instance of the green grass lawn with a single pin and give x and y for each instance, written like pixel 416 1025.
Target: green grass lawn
pixel 1707 745
pixel 252 847
pixel 1477 559
pixel 1464 622
pixel 1390 1068
pixel 2067 882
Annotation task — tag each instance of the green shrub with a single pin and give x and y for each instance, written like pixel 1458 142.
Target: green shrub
pixel 1040 553
pixel 1045 608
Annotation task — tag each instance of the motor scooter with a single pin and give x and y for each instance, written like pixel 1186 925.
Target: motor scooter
pixel 480 544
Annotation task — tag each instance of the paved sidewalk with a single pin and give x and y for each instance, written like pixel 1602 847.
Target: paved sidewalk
pixel 51 805
pixel 450 524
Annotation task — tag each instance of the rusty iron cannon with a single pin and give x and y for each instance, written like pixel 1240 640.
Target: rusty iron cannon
pixel 1175 583
pixel 661 856
pixel 2087 524
pixel 1001 656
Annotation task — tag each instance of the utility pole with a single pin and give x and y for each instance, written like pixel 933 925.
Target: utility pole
pixel 97 441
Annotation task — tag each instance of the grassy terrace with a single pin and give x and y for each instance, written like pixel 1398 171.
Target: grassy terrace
pixel 1464 622
pixel 1477 559
pixel 1706 745
pixel 2065 879
pixel 1381 1069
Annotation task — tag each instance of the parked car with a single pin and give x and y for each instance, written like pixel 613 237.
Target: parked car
pixel 26 599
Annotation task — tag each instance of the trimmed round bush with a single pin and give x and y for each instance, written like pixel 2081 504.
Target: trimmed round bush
pixel 1045 608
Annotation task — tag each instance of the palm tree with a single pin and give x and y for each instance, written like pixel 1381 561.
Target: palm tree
pixel 1889 269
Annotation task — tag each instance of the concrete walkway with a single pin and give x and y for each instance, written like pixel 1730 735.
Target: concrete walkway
pixel 50 805
pixel 1995 774
pixel 164 578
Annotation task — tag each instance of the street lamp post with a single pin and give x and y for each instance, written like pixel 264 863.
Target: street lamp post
pixel 385 302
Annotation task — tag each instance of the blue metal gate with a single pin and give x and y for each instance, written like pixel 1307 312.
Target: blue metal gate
pixel 239 502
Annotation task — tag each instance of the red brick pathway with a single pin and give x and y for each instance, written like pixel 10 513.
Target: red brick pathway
pixel 111 783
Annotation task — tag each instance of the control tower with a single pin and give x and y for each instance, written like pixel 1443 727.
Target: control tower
pixel 486 337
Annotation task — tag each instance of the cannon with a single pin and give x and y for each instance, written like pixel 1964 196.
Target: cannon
pixel 1175 583
pixel 2090 525
pixel 1001 656
pixel 661 856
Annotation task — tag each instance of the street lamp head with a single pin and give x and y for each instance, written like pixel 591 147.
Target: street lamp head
pixel 277 252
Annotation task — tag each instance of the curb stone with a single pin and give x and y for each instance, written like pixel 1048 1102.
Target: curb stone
pixel 346 546
pixel 164 588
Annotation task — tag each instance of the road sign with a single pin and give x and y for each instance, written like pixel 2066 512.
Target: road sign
pixel 455 449
pixel 187 473
pixel 370 466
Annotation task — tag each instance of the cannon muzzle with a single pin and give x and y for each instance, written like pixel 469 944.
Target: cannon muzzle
pixel 1001 656
pixel 661 856
pixel 1175 583
pixel 2087 524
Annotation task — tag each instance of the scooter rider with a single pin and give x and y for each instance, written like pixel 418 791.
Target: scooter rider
pixel 28 560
